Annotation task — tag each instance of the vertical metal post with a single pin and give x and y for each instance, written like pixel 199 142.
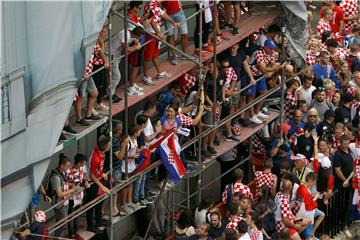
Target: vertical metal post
pixel 201 8
pixel 172 212
pixel 282 83
pixel 110 127
pixel 126 85
pixel 214 100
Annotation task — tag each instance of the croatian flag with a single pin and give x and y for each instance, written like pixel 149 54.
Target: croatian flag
pixel 169 151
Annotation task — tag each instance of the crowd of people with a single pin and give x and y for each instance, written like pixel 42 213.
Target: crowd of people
pixel 319 138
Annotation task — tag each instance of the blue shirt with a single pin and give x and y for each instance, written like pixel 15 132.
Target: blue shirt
pixel 294 127
pixel 322 73
pixel 35 199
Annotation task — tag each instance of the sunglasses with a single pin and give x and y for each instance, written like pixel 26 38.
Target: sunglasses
pixel 321 89
pixel 312 116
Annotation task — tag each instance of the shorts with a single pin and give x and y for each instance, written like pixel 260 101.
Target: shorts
pixel 135 58
pixel 307 231
pixel 318 213
pixel 225 111
pixel 117 174
pixel 177 17
pixel 130 174
pixel 250 91
pixel 261 84
pixel 86 86
pixel 207 119
pixel 236 98
pixel 151 50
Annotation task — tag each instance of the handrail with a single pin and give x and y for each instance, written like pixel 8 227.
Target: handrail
pixel 116 189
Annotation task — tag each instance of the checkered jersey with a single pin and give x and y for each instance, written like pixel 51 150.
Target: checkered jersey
pixel 187 81
pixel 356 179
pixel 261 58
pixel 230 76
pixel 290 105
pixel 258 146
pixel 262 179
pixel 335 142
pixel 95 59
pixel 351 90
pixel 322 27
pixel 186 121
pixel 310 57
pixel 282 210
pixel 255 234
pixel 323 47
pixel 237 187
pixel 350 8
pixel 157 11
pixel 233 222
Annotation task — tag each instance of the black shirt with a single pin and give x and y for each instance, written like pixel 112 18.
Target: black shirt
pixel 343 115
pixel 305 146
pixel 141 140
pixel 217 232
pixel 116 162
pixel 344 161
pixel 37 228
pixel 325 129
pixel 237 62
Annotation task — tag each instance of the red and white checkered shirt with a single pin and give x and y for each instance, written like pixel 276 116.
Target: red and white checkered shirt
pixel 310 57
pixel 255 234
pixel 261 58
pixel 186 121
pixel 351 90
pixel 233 222
pixel 187 81
pixel 323 47
pixel 238 187
pixel 282 210
pixel 230 76
pixel 290 105
pixel 95 59
pixel 157 11
pixel 350 8
pixel 321 28
pixel 335 142
pixel 262 179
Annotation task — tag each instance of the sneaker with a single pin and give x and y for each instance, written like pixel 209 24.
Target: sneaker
pixel 211 150
pixel 208 49
pixel 197 53
pixel 134 206
pixel 347 233
pixel 256 120
pixel 231 138
pixel 173 60
pixel 261 115
pixel 137 87
pixel 148 81
pixel 235 30
pixel 82 122
pixel 244 122
pixel 169 185
pixel 128 210
pixel 115 99
pixel 143 202
pixel 69 130
pixel 265 110
pixel 92 117
pixel 163 75
pixel 94 112
pixel 206 153
pixel 132 91
pixel 150 195
pixel 103 107
pixel 62 137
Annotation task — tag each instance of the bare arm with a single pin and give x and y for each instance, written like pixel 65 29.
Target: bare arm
pixel 340 174
pixel 248 71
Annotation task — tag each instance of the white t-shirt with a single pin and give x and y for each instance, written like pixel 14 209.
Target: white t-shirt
pixel 355 151
pixel 306 94
pixel 260 41
pixel 200 217
pixel 149 129
pixel 117 42
pixel 246 236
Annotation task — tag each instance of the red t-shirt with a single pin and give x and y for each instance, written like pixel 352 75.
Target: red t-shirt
pixel 172 6
pixel 133 17
pixel 97 162
pixel 338 15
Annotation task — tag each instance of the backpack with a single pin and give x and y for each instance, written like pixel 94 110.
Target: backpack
pixel 47 182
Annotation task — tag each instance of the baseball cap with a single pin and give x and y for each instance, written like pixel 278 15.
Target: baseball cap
pixel 270 43
pixel 298 156
pixel 329 113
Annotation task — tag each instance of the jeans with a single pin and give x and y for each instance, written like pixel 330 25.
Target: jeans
pixel 91 194
pixel 139 188
pixel 73 225
pixel 116 75
pixel 60 213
